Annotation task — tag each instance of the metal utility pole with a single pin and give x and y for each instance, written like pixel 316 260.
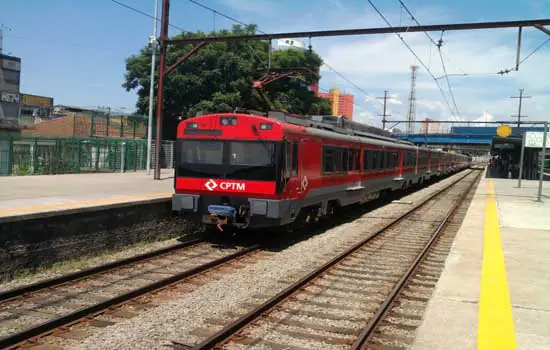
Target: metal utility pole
pixel 543 156
pixel 384 115
pixel 521 97
pixel 411 116
pixel 521 159
pixel 160 93
pixel 153 42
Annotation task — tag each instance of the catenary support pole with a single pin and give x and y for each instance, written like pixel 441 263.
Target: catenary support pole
pixel 543 156
pixel 160 92
pixel 153 42
pixel 521 159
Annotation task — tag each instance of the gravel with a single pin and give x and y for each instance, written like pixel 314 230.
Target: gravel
pixel 175 319
pixel 76 265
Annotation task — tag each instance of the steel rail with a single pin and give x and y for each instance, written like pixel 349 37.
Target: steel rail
pixel 48 326
pixel 366 335
pixel 71 277
pixel 246 319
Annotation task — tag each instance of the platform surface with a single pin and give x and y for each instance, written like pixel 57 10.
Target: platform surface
pixel 495 290
pixel 24 195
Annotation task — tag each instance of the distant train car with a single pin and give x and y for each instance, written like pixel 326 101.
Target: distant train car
pixel 252 171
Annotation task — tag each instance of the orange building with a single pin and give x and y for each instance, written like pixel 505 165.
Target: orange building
pixel 341 104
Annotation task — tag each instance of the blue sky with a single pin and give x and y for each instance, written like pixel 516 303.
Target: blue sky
pixel 74 50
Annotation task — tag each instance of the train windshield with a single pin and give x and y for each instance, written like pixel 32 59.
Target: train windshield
pixel 240 160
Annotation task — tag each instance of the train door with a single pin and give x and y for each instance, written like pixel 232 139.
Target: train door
pixel 303 180
pixel 417 153
pixel 293 168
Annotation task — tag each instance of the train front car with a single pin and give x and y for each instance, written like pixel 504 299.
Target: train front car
pixel 227 170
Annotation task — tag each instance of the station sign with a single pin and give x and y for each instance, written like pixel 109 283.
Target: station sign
pixel 36 101
pixel 504 130
pixel 533 139
pixel 9 97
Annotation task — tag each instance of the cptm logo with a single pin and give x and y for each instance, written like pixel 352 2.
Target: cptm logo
pixel 211 185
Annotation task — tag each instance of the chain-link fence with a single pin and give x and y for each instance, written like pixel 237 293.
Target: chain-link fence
pixel 44 156
pixel 100 125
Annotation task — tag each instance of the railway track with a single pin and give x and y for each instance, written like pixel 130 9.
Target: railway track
pixel 357 299
pixel 53 306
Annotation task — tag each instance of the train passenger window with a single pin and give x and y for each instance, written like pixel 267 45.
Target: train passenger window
pixel 393 159
pixel 356 159
pixel 352 160
pixel 366 159
pixel 334 159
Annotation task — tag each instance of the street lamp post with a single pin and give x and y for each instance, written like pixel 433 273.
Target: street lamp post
pixel 153 42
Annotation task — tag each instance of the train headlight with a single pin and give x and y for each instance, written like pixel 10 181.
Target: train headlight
pixel 226 121
pixel 192 125
pixel 266 126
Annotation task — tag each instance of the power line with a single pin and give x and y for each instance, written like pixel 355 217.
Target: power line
pixel 535 50
pixel 447 79
pixel 426 33
pixel 260 31
pixel 438 44
pixel 223 15
pixel 351 83
pixel 144 14
pixel 415 55
pixel 216 12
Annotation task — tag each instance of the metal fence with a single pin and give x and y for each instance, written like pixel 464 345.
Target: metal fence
pixel 44 156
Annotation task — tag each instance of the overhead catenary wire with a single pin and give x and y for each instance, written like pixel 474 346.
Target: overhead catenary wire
pixel 416 56
pixel 535 50
pixel 426 33
pixel 261 31
pixel 438 44
pixel 131 8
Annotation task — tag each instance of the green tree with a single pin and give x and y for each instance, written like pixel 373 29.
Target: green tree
pixel 219 77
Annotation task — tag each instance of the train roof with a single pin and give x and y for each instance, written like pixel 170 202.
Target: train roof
pixel 343 126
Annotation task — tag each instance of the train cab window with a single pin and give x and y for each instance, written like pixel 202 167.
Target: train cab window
pixel 241 154
pixel 197 152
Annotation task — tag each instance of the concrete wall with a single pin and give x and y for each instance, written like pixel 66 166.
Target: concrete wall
pixel 42 241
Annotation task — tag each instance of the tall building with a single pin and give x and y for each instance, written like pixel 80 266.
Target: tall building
pixel 10 76
pixel 341 104
pixel 431 126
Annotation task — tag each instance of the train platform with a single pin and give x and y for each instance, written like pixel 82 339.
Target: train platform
pixel 493 293
pixel 35 196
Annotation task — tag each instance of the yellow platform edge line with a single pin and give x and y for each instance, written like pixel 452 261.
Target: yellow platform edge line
pixel 495 320
pixel 84 203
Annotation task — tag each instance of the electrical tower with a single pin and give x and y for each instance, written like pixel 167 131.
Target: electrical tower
pixel 384 115
pixel 411 115
pixel 519 116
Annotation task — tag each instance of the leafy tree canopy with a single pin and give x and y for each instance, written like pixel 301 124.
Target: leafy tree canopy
pixel 218 78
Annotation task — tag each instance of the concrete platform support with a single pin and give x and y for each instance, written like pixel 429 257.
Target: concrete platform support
pixel 494 292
